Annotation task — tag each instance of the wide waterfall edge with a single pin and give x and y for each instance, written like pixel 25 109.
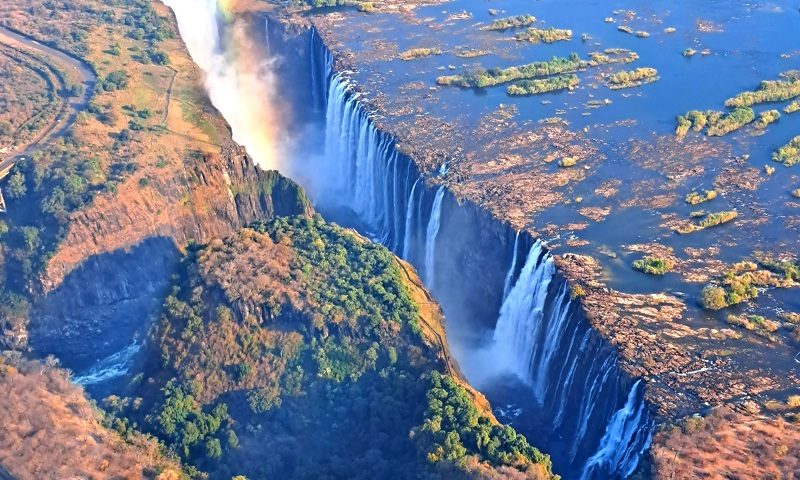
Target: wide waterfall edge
pixel 526 236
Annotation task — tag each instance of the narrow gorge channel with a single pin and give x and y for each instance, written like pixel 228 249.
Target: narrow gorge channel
pixel 512 325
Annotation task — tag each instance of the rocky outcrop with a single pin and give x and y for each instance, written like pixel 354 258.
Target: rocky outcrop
pixel 108 278
pixel 201 197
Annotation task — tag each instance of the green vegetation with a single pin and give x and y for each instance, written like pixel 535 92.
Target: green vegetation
pixel 696 120
pixel 632 78
pixel 792 107
pixel 497 76
pixel 556 66
pixel 755 323
pixel 695 198
pixel 767 91
pixel 453 428
pixel 741 114
pixel 550 84
pixel 740 283
pixel 654 265
pixel 765 118
pixel 612 55
pixel 415 53
pixel 788 154
pixel 297 349
pixel 710 220
pixel 508 23
pixel 567 162
pixel 733 120
pixel 544 35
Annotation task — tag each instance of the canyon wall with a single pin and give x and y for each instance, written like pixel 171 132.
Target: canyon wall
pixel 505 303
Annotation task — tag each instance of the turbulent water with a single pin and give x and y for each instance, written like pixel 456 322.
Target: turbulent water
pixel 113 366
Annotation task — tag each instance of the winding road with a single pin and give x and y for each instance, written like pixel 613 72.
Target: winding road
pixel 71 106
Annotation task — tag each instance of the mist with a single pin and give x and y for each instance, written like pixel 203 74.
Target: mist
pixel 238 76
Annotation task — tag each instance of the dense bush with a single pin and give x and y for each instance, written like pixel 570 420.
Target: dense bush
pixel 768 91
pixel 300 340
pixel 788 154
pixel 497 76
pixel 544 85
pixel 544 35
pixel 508 23
pixel 654 265
pixel 632 78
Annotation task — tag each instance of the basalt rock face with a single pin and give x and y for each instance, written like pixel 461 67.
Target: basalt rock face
pixel 201 197
pixel 110 274
pixel 505 303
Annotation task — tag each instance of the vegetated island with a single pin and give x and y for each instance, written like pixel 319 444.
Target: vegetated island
pixel 508 23
pixel 544 35
pixel 632 78
pixel 555 66
pixel 544 85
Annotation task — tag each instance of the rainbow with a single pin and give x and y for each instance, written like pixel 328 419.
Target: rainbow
pixel 226 8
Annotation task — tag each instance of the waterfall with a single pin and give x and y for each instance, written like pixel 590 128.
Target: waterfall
pixel 313 55
pixel 409 218
pixel 552 341
pixel 622 444
pixel 267 47
pixel 539 335
pixel 510 274
pixel 430 238
pixel 521 314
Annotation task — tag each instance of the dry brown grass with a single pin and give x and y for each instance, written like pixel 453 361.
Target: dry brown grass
pixel 728 445
pixel 48 430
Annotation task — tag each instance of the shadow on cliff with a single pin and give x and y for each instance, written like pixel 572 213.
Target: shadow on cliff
pixel 102 305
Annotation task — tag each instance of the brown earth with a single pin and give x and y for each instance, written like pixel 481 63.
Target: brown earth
pixel 48 429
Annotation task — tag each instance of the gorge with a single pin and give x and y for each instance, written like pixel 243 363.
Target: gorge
pixel 522 321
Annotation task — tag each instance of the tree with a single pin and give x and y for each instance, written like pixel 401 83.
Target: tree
pixel 232 440
pixel 213 448
pixel 16 185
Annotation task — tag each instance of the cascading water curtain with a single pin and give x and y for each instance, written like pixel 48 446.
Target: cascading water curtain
pixel 537 336
pixel 534 329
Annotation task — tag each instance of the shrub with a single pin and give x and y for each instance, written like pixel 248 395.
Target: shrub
pixel 632 78
pixel 567 162
pixel 654 265
pixel 734 120
pixel 546 35
pixel 765 118
pixel 788 154
pixel 695 198
pixel 713 298
pixel 419 53
pixel 551 84
pixel 767 91
pixel 518 21
pixel 711 220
